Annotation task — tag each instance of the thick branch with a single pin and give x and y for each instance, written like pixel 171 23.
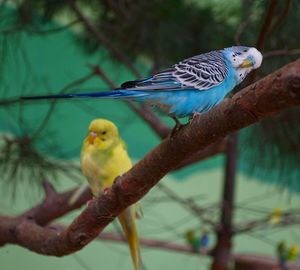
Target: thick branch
pixel 274 93
pixel 54 206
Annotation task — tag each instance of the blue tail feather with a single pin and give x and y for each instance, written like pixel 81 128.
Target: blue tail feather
pixel 122 94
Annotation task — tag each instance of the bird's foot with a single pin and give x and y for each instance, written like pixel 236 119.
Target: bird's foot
pixel 105 190
pixel 177 127
pixel 195 116
pixel 117 179
pixel 89 202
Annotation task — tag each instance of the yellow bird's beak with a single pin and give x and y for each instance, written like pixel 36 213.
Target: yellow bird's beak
pixel 246 63
pixel 91 137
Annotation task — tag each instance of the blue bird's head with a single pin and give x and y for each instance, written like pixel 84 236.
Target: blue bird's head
pixel 243 59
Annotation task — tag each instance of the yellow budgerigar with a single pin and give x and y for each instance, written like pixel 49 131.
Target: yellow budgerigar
pixel 103 158
pixel 276 216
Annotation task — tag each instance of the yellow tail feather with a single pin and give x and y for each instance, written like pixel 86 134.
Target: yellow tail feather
pixel 127 220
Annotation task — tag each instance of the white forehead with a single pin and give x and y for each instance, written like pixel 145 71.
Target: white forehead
pixel 256 54
pixel 243 52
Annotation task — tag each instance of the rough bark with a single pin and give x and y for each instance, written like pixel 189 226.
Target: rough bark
pixel 274 93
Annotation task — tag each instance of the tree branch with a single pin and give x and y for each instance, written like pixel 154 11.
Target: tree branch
pixel 102 39
pixel 281 17
pixel 54 205
pixel 288 218
pixel 255 259
pixel 285 52
pixel 188 204
pixel 151 243
pixel 161 129
pixel 264 32
pixel 274 93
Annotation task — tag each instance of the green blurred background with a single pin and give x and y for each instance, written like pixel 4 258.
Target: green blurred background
pixel 37 56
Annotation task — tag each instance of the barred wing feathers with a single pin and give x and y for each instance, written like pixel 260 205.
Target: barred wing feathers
pixel 203 71
pixel 200 72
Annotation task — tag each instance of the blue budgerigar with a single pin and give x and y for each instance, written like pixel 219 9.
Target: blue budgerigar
pixel 193 86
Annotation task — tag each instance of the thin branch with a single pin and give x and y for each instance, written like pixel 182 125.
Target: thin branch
pixel 263 34
pixel 9 101
pixel 161 129
pixel 281 17
pixel 98 71
pixel 266 24
pixel 102 39
pixel 154 122
pixel 152 243
pixel 247 7
pixel 285 52
pixel 53 103
pixel 188 204
pixel 288 218
pixel 181 248
pixel 258 261
pixel 268 261
pixel 272 94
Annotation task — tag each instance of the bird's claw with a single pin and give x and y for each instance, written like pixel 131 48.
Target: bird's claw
pixel 105 190
pixel 177 127
pixel 195 116
pixel 89 202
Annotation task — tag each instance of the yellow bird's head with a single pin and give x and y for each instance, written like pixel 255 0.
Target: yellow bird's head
pixel 102 134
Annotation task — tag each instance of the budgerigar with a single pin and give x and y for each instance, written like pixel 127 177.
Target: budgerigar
pixel 282 254
pixel 103 158
pixel 193 86
pixel 276 216
pixel 293 253
pixel 204 240
pixel 192 240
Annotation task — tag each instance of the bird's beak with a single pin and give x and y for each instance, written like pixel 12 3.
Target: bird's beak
pixel 91 137
pixel 246 63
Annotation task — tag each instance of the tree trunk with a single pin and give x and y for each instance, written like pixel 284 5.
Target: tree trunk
pixel 222 250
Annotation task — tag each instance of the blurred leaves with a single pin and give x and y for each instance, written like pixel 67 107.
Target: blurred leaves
pixel 141 28
pixel 20 161
pixel 270 150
